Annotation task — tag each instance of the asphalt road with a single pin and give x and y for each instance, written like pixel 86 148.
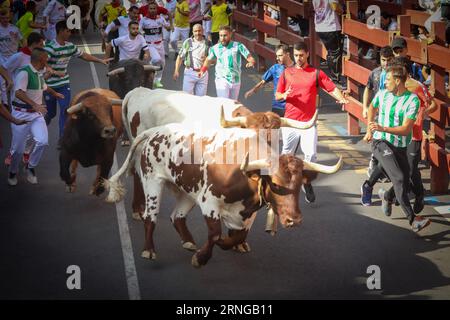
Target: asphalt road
pixel 44 230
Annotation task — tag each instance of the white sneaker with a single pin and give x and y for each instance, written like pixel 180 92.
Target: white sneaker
pixel 31 176
pixel 12 179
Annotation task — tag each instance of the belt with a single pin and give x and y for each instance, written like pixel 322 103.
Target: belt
pixel 156 42
pixel 24 110
pixel 22 107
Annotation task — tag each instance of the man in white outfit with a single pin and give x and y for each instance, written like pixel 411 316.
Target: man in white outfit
pixel 29 86
pixel 152 26
pixel 193 53
pixel 130 45
pixel 53 13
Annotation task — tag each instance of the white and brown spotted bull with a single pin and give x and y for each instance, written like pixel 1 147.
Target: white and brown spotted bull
pixel 143 109
pixel 90 136
pixel 206 169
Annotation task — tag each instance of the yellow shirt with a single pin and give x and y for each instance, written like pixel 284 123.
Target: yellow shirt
pixel 180 20
pixel 24 24
pixel 112 13
pixel 219 16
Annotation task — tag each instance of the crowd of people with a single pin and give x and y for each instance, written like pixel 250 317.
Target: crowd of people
pixel 36 81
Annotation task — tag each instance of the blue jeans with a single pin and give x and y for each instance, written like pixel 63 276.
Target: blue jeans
pixel 51 101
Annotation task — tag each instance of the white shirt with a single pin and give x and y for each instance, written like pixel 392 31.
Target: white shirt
pixel 9 40
pixel 325 19
pixel 130 48
pixel 55 12
pixel 40 7
pixel 15 62
pixel 123 28
pixel 152 28
pixel 21 83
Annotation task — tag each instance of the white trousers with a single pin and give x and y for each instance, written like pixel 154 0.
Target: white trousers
pixel 206 27
pixel 157 58
pixel 166 40
pixel 38 130
pixel 178 34
pixel 227 90
pixel 50 32
pixel 305 139
pixel 193 84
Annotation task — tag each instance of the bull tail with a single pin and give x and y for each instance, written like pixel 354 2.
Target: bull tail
pixel 114 185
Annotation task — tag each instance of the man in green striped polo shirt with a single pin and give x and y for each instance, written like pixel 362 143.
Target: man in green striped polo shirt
pixel 397 111
pixel 227 54
pixel 60 51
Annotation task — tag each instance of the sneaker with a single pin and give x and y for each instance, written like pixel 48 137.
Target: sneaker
pixel 309 193
pixel 26 158
pixel 419 223
pixel 8 159
pixel 12 179
pixel 386 206
pixel 31 176
pixel 366 194
pixel 419 204
pixel 158 84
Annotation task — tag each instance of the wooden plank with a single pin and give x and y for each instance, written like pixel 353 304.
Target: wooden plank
pixel 438 156
pixel 441 117
pixel 293 7
pixel 354 107
pixel 355 71
pixel 265 52
pixel 271 20
pixel 361 31
pixel 418 18
pixel 404 23
pixel 287 36
pixel 243 18
pixel 265 27
pixel 439 56
pixel 417 50
pixel 249 43
pixel 321 51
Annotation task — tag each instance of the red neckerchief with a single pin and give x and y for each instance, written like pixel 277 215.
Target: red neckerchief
pixel 26 50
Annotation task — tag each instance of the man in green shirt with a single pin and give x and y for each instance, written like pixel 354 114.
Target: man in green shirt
pixel 397 112
pixel 228 58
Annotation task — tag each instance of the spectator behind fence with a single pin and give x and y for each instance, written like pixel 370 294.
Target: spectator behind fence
pixel 328 27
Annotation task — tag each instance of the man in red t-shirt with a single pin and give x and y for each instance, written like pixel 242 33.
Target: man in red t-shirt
pixel 159 11
pixel 298 85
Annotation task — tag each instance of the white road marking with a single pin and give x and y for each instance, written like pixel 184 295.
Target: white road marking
pixel 125 239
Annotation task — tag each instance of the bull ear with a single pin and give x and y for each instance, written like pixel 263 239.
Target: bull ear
pixel 309 176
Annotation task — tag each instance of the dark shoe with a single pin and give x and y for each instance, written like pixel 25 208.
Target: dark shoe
pixel 309 193
pixel 419 223
pixel 419 204
pixel 366 194
pixel 386 206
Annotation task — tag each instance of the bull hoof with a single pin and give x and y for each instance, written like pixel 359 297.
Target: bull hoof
pixel 243 247
pixel 136 216
pixel 148 254
pixel 71 188
pixel 189 246
pixel 195 262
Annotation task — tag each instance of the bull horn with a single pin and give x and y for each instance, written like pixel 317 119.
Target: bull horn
pixel 254 165
pixel 116 71
pixel 285 122
pixel 116 101
pixel 149 67
pixel 233 122
pixel 75 108
pixel 322 168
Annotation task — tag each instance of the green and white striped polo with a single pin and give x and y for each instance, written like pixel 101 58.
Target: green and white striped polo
pixel 393 110
pixel 29 80
pixel 58 59
pixel 228 65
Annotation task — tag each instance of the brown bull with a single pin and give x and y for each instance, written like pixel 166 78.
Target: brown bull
pixel 90 136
